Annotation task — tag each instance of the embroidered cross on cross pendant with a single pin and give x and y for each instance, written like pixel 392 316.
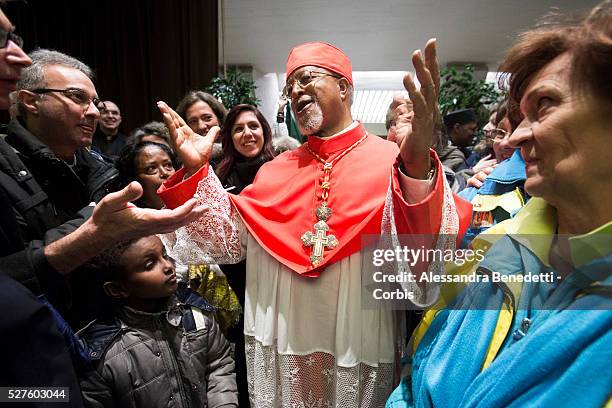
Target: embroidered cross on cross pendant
pixel 319 241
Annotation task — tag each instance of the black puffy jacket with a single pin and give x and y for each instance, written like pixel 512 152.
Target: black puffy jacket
pixel 43 199
pixel 174 358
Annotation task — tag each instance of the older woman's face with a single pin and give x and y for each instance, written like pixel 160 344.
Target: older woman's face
pixel 564 136
pixel 247 135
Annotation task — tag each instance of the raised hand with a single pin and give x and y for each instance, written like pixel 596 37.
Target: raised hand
pixel 415 139
pixel 193 149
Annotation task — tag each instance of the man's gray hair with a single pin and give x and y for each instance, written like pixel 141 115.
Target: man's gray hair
pixel 33 76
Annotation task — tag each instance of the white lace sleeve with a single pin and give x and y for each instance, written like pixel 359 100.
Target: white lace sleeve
pixel 449 228
pixel 218 237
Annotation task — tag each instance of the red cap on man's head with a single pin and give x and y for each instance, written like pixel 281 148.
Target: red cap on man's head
pixel 320 54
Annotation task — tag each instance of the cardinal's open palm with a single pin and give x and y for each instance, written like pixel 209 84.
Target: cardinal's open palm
pixel 193 149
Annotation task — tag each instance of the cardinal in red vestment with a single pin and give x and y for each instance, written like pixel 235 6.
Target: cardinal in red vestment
pixel 301 224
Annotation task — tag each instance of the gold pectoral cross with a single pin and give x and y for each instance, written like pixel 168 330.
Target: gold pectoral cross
pixel 319 241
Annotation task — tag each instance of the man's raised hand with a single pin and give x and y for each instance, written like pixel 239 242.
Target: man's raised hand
pixel 115 219
pixel 115 216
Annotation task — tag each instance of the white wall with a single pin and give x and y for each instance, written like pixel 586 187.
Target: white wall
pixel 267 92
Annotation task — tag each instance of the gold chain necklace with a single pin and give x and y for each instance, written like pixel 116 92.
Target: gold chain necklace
pixel 318 240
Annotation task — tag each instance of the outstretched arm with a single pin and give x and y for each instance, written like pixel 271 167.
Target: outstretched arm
pixel 216 237
pixel 115 219
pixel 421 202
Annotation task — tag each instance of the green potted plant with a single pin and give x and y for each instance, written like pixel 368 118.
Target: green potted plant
pixel 460 90
pixel 233 88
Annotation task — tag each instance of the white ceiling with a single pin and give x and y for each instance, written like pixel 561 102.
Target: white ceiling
pixel 380 35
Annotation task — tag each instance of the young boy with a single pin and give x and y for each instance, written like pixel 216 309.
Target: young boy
pixel 160 346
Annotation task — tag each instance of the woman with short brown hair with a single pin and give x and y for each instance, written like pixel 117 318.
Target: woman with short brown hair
pixel 535 327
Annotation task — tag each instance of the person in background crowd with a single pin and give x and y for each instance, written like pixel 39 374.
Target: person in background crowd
pixel 108 140
pixel 541 341
pixel 201 111
pixel 246 139
pixel 491 145
pixel 496 132
pixel 485 146
pixel 460 130
pixel 151 132
pixel 150 164
pixel 500 194
pixel 157 346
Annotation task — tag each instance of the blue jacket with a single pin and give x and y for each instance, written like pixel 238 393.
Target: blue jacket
pixel 493 344
pixel 499 198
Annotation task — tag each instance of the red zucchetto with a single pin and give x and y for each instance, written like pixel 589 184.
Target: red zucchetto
pixel 320 54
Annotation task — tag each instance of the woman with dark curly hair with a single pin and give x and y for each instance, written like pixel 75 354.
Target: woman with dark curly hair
pixel 150 164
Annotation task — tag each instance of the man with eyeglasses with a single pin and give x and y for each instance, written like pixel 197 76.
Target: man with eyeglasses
pixel 57 116
pixel 53 179
pixel 300 226
pixel 32 351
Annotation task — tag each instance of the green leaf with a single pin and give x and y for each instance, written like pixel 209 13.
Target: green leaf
pixel 233 88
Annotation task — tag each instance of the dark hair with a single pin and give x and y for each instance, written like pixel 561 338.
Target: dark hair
pixel 105 267
pixel 589 43
pixel 501 112
pixel 151 128
pixel 391 116
pixel 125 163
pixel 194 96
pixel 107 264
pixel 230 154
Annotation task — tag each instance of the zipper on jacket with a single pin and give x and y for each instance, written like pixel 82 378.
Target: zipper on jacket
pixel 175 365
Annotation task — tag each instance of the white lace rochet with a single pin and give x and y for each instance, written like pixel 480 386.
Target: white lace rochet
pixel 309 342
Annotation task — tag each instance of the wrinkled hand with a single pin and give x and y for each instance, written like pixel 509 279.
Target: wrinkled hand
pixel 484 163
pixel 115 218
pixel 194 150
pixel 479 178
pixel 415 140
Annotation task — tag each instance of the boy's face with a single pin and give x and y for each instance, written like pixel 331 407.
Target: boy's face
pixel 149 272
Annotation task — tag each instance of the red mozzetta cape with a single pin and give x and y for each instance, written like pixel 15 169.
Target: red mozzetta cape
pixel 279 206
